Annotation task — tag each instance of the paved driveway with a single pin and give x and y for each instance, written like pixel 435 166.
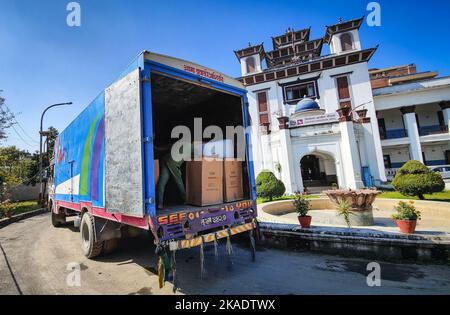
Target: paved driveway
pixel 34 257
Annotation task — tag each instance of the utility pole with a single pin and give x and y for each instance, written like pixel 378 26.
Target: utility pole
pixel 41 188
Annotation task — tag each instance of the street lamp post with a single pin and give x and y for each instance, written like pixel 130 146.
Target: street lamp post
pixel 41 189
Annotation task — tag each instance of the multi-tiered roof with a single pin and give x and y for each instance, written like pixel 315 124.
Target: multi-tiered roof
pixel 295 54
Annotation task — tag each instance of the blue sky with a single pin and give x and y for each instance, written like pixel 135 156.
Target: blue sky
pixel 43 61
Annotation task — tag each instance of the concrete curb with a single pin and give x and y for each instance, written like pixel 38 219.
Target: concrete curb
pixel 22 216
pixel 355 242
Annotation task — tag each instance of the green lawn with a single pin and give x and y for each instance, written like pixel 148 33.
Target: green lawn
pixel 24 206
pixel 441 196
pixel 262 200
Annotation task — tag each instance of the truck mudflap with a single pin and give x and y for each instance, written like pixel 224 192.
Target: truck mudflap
pixel 211 237
pixel 167 266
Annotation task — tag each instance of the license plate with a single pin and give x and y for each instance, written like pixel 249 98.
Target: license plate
pixel 214 220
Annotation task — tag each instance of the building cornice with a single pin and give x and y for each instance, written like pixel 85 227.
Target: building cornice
pixel 310 66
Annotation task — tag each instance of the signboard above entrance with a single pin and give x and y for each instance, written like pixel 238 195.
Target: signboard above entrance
pixel 313 120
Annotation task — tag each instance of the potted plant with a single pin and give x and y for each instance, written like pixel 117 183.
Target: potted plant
pixel 344 210
pixel 406 217
pixel 302 207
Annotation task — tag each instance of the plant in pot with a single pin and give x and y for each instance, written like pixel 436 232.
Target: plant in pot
pixel 302 207
pixel 406 217
pixel 344 210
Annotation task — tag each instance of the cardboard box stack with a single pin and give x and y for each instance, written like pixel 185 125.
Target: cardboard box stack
pixel 204 182
pixel 233 189
pixel 217 178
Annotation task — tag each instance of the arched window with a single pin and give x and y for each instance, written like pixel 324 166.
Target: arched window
pixel 346 42
pixel 250 64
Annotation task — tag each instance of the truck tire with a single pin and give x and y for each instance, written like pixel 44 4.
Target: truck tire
pixel 110 246
pixel 90 247
pixel 55 221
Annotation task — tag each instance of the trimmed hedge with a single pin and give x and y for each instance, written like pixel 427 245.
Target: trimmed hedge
pixel 268 186
pixel 415 179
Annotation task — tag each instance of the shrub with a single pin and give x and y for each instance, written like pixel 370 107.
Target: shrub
pixel 7 208
pixel 415 179
pixel 301 205
pixel 406 211
pixel 268 186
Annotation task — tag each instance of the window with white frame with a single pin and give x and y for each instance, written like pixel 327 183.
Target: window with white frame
pixel 343 91
pixel 298 91
pixel 251 66
pixel 346 42
pixel 263 107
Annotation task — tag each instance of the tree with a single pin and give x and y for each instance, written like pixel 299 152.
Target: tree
pixel 415 179
pixel 268 186
pixel 14 166
pixel 48 150
pixel 6 119
pixel 33 170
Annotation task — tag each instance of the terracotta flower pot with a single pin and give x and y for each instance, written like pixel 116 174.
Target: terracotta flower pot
pixel 9 214
pixel 305 221
pixel 406 226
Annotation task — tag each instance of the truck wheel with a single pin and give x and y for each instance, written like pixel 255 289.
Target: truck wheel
pixel 57 219
pixel 90 248
pixel 110 246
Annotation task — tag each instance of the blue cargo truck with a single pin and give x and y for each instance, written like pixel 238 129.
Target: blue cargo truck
pixel 104 161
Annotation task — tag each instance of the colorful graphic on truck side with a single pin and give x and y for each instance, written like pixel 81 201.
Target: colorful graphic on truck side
pixel 82 141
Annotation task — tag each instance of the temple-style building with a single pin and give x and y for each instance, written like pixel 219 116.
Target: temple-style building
pixel 316 115
pixel 323 118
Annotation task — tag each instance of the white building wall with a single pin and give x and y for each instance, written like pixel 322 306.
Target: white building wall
pixel 435 153
pixel 393 119
pixel 336 47
pixel 258 67
pixel 398 155
pixel 327 146
pixel 361 92
pixel 428 114
pixel 266 155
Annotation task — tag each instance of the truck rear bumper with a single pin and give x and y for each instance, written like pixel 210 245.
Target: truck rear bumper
pixel 194 221
pixel 210 237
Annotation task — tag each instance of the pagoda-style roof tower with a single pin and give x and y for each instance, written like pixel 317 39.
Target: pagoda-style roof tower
pixel 297 51
pixel 250 50
pixel 291 37
pixel 342 27
pixel 295 54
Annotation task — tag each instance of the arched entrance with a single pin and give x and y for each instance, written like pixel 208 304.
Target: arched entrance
pixel 318 170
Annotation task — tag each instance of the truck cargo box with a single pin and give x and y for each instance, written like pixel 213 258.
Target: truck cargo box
pixel 106 162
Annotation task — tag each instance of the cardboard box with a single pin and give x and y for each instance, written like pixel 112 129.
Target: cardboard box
pixel 204 182
pixel 233 187
pixel 156 171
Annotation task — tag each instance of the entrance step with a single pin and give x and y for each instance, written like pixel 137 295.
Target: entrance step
pixel 317 189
